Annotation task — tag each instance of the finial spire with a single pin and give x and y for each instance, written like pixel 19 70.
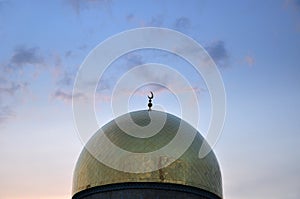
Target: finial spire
pixel 150 101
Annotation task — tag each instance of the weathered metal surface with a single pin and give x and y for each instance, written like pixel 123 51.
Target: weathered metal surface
pixel 187 170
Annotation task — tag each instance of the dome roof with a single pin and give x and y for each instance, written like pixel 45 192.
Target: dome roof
pixel 187 169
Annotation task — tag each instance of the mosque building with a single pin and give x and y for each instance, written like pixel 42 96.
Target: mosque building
pixel 185 177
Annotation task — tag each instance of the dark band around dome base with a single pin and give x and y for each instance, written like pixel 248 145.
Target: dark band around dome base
pixel 144 190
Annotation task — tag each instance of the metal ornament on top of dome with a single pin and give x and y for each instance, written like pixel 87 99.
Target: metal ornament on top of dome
pixel 150 101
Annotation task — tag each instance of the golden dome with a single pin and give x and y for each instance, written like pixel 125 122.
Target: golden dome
pixel 188 169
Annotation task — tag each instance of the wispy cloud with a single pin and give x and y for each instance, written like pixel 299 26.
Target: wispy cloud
pixel 297 3
pixel 218 53
pixel 23 56
pixel 133 59
pixel 130 17
pixel 5 113
pixel 249 60
pixel 151 87
pixel 8 91
pixel 182 23
pixel 68 53
pixel 294 7
pixel 66 80
pixel 156 21
pixel 20 68
pixel 79 5
pixel 11 88
pixel 159 89
pixel 12 82
pixel 107 81
pixel 67 96
pixel 136 59
pixel 83 47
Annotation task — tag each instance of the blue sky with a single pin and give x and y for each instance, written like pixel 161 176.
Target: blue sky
pixel 255 44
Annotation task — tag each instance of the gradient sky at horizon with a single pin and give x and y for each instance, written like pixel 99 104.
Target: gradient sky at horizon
pixel 256 45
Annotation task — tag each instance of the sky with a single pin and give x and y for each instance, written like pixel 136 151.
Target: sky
pixel 255 44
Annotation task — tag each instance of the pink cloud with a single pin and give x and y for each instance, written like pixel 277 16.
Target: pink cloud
pixel 66 96
pixel 249 60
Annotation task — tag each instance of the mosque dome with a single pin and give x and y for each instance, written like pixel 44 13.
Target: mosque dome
pixel 186 172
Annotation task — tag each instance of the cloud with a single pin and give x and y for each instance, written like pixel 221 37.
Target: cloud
pixel 294 7
pixel 105 84
pixel 79 5
pixel 182 23
pixel 133 59
pixel 66 80
pixel 156 21
pixel 136 59
pixel 101 97
pixel 249 60
pixel 154 88
pixel 158 89
pixel 67 96
pixel 26 56
pixel 130 17
pixel 11 88
pixel 83 47
pixel 296 3
pixel 68 53
pixel 5 113
pixel 145 90
pixel 13 80
pixel 218 53
pixel 108 80
pixel 8 91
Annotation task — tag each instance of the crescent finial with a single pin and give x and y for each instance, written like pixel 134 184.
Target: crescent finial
pixel 151 96
pixel 150 101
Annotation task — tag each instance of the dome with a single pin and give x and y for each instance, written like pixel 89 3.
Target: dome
pixel 187 169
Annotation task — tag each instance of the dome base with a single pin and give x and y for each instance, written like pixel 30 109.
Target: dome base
pixel 144 190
